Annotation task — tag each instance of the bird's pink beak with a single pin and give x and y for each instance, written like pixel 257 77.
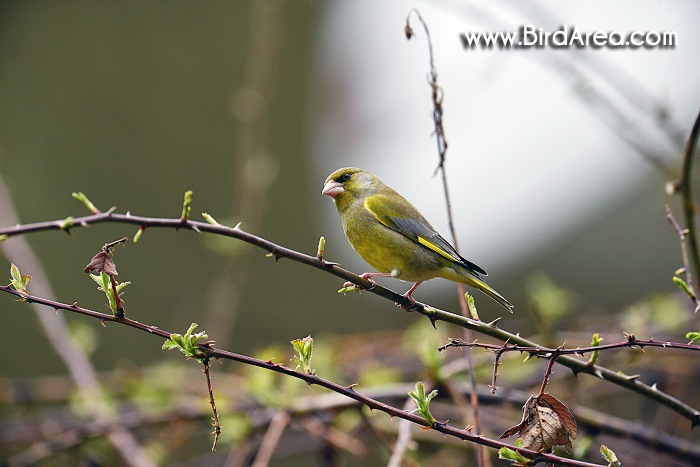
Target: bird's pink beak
pixel 333 189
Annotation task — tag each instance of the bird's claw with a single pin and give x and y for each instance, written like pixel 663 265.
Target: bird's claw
pixel 409 308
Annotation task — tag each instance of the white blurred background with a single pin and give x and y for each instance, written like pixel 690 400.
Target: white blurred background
pixel 557 158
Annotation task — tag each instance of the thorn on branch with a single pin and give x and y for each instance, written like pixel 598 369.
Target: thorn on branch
pixel 274 254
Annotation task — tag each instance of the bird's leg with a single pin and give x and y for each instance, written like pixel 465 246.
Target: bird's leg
pixel 368 276
pixel 409 295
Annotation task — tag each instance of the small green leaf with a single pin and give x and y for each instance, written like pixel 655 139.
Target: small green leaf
pixel 350 288
pixel 209 219
pixel 321 247
pixel 4 237
pixel 104 281
pixel 693 335
pixel 138 234
pixel 514 456
pixel 683 285
pixel 19 281
pixel 304 349
pixel 422 401
pixel 609 456
pixel 471 305
pixel 187 344
pixel 596 340
pixel 88 204
pixel 15 276
pixel 186 206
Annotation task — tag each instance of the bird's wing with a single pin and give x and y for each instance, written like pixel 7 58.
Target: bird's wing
pixel 406 220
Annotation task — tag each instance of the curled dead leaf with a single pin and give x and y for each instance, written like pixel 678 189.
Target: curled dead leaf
pixel 546 423
pixel 102 262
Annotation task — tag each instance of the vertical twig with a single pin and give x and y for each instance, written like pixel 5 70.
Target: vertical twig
pixel 684 186
pixel 682 236
pixel 547 374
pixel 437 98
pixel 215 417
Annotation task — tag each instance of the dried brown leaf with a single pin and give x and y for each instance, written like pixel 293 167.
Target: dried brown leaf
pixel 102 262
pixel 546 423
pixel 565 416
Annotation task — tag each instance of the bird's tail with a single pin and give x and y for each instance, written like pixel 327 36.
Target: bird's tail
pixel 483 286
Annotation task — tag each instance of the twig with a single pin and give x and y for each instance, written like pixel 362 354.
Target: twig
pixel 437 99
pixel 434 314
pixel 496 364
pixel 684 185
pixel 437 94
pixel 553 354
pixel 689 287
pixel 538 351
pixel 215 417
pixel 547 374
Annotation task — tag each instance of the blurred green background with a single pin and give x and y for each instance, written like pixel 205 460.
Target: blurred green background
pixel 134 103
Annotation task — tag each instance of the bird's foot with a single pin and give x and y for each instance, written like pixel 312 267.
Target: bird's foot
pixel 413 306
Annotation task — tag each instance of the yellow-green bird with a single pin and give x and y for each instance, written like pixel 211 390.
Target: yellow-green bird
pixel 393 236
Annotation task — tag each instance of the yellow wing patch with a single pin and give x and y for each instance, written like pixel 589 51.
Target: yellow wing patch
pixel 428 244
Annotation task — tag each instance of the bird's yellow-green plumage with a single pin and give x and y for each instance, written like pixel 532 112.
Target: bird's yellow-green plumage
pixel 393 236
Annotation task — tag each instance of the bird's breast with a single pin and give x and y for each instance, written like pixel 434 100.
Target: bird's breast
pixel 387 250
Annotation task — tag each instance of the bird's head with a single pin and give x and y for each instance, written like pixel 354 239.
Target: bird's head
pixel 349 183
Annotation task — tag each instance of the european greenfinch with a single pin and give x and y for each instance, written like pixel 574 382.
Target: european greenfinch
pixel 393 236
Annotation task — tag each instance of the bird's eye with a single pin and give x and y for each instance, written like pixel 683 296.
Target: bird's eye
pixel 344 178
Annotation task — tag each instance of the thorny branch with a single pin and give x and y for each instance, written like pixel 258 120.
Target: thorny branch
pixel 434 314
pixel 682 235
pixel 684 186
pixel 538 351
pixel 437 90
pixel 553 354
pixel 215 417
